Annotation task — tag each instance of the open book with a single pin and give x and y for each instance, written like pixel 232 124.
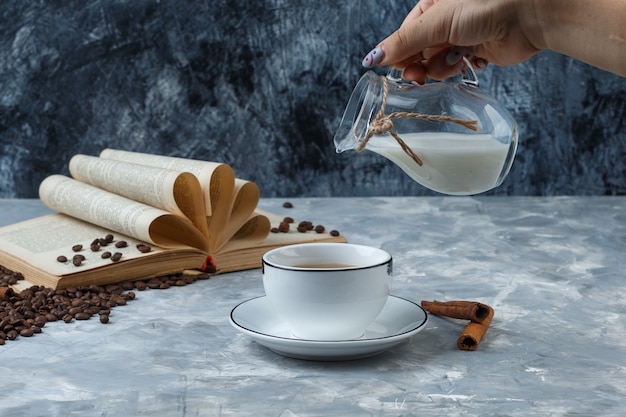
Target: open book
pixel 126 215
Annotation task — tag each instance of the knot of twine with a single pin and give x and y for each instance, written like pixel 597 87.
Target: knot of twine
pixel 384 124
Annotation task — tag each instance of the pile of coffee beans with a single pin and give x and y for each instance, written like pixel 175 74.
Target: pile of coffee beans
pixel 8 277
pixel 25 314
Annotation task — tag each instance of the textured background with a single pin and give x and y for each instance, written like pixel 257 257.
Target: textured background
pixel 262 85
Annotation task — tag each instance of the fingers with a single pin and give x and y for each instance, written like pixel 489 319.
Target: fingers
pixel 426 26
pixel 415 72
pixel 440 64
pixel 444 64
pixel 421 45
pixel 479 63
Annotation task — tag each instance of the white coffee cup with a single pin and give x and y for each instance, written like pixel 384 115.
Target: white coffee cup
pixel 327 291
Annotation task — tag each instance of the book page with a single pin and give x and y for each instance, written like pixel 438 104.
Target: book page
pixel 246 198
pixel 173 191
pixel 253 232
pixel 41 240
pixel 216 179
pixel 119 214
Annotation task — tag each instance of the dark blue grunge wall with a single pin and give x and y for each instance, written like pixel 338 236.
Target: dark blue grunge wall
pixel 262 85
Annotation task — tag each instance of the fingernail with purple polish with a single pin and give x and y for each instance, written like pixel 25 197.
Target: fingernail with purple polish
pixel 373 58
pixel 480 64
pixel 457 53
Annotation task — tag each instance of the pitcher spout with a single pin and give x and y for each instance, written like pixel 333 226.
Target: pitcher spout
pixel 360 111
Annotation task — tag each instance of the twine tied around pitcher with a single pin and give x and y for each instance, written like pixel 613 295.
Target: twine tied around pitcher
pixel 384 124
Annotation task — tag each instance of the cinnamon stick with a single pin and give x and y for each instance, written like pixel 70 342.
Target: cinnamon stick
pixel 474 332
pixel 466 310
pixel 6 293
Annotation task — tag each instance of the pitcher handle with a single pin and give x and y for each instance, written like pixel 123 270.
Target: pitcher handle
pixel 468 74
pixel 395 75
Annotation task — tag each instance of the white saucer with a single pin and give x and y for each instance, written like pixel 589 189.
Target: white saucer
pixel 399 321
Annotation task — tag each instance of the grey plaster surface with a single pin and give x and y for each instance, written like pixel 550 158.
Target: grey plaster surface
pixel 552 268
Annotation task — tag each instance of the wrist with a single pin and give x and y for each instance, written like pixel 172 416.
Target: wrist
pixel 590 32
pixel 533 20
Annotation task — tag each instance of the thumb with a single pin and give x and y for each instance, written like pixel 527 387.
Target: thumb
pixel 410 40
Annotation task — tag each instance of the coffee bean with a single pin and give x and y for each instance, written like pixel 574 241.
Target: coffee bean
pixel 77 248
pixel 26 332
pixel 306 225
pixel 40 321
pixel 93 309
pixel 82 316
pixel 274 230
pixel 95 247
pixel 121 244
pixel 143 248
pixel 109 238
pixel 283 227
pixel 119 301
pixel 288 220
pixel 105 255
pixel 62 259
pixel 334 233
pixel 104 318
pixel 4 325
pixel 114 289
pixel 319 228
pixel 75 310
pixel 77 260
pixel 127 285
pixel 287 204
pixel 116 257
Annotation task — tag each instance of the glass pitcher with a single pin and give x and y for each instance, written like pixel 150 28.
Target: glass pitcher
pixel 449 136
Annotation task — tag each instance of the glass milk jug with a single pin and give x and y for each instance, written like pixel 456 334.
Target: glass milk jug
pixel 449 136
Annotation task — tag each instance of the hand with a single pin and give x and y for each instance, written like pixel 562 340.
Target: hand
pixel 437 34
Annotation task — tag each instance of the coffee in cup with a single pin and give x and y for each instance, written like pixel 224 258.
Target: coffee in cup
pixel 327 291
